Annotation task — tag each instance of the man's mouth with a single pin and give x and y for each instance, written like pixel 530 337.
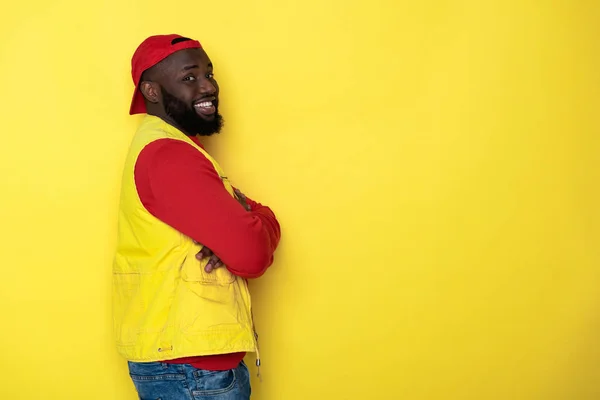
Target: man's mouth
pixel 206 106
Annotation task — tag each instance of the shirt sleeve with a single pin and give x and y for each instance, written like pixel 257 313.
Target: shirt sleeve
pixel 178 185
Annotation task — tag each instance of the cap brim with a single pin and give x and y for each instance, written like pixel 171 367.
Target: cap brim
pixel 138 106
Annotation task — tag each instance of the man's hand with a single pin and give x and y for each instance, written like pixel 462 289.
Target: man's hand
pixel 241 198
pixel 213 263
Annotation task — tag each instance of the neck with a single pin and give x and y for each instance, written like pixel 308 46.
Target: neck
pixel 165 117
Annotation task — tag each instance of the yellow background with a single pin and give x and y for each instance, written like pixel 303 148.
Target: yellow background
pixel 434 165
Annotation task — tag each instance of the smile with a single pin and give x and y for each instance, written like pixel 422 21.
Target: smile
pixel 205 107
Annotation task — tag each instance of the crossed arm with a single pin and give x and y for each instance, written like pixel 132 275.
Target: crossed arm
pixel 178 185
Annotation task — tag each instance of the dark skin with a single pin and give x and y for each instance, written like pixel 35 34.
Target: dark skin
pixel 187 75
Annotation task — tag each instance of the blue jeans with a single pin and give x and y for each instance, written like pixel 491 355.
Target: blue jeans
pixel 161 381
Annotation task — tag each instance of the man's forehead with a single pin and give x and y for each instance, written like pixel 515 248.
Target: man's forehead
pixel 185 58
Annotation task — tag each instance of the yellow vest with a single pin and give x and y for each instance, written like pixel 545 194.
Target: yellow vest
pixel 165 305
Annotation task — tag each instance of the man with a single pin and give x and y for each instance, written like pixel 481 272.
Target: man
pixel 187 240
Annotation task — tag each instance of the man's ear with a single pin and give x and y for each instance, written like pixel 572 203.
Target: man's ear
pixel 151 91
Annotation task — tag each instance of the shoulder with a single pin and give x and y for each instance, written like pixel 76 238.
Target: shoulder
pixel 169 154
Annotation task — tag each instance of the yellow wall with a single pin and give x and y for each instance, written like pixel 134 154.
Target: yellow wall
pixel 434 165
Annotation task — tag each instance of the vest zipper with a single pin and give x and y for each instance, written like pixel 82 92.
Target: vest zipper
pixel 258 364
pixel 257 355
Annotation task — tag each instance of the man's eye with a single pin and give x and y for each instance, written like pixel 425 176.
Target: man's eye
pixel 210 76
pixel 190 78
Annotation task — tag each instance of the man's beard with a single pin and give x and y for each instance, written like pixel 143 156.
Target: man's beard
pixel 187 119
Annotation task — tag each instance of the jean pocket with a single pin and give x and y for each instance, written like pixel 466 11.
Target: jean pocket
pixel 212 383
pixel 155 381
pixel 154 371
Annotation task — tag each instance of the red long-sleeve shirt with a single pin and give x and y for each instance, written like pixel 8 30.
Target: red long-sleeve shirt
pixel 179 185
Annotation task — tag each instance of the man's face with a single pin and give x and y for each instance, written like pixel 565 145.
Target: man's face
pixel 189 93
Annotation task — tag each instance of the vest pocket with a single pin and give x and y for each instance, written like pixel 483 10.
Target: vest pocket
pixel 127 307
pixel 210 300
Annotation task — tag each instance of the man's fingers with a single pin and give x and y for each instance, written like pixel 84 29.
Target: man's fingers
pixel 213 263
pixel 205 252
pixel 241 198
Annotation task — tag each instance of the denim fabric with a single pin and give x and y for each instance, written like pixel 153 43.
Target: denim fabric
pixel 161 381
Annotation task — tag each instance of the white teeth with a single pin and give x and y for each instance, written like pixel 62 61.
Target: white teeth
pixel 204 104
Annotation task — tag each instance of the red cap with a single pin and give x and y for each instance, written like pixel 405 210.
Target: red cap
pixel 152 51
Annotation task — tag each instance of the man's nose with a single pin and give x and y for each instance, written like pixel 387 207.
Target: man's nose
pixel 207 87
